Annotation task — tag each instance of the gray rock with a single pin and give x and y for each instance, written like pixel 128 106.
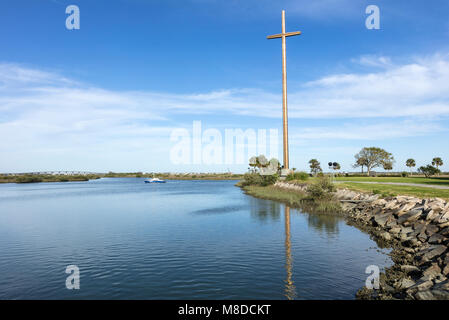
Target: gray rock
pixel 410 269
pixel 432 272
pixel 445 270
pixel 405 283
pixel 421 285
pixel 411 242
pixel 391 204
pixel 381 219
pixel 410 216
pixel 404 208
pixel 442 286
pixel 395 230
pixel 431 229
pixel 446 259
pixel 386 236
pixel 434 251
pixel 391 223
pixel 432 215
pixel 379 202
pixel 444 217
pixel 443 224
pixel 445 231
pixel 406 237
pixel 440 294
pixel 409 250
pixel 436 238
pixel 424 295
pixel 422 236
pixel 406 230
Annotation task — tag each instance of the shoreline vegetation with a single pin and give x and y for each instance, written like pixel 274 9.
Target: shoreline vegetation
pixel 36 178
pixel 416 229
pixel 315 196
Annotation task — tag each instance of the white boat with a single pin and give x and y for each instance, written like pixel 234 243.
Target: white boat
pixel 154 180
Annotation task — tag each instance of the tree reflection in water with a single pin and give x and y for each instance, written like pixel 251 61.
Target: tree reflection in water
pixel 265 210
pixel 324 223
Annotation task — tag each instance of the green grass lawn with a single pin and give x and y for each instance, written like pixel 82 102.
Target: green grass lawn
pixel 443 181
pixel 419 192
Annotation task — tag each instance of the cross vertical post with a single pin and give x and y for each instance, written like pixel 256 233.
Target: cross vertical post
pixel 283 36
pixel 284 95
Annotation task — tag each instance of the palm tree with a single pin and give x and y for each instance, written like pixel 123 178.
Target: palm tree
pixel 437 162
pixel 410 163
pixel 315 166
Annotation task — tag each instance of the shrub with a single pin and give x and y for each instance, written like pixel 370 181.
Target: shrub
pixel 79 177
pixel 255 179
pixel 269 180
pixel 404 174
pixel 321 189
pixel 28 179
pixel 303 176
pixel 429 170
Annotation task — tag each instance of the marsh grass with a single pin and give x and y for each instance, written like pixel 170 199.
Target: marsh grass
pixel 295 199
pixel 35 178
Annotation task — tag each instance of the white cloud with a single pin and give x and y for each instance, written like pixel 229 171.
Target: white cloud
pixel 419 88
pixel 44 112
pixel 373 61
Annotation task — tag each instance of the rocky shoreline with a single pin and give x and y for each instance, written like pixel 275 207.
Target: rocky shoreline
pixel 416 229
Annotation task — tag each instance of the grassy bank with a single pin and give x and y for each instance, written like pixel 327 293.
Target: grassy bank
pixel 393 190
pixel 35 178
pixel 442 181
pixel 224 176
pixel 294 199
pixel 176 176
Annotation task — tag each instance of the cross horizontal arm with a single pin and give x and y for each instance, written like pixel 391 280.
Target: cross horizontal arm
pixel 287 34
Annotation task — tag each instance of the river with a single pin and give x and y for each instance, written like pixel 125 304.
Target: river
pixel 178 240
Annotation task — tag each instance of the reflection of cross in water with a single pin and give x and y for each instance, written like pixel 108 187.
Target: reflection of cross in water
pixel 290 290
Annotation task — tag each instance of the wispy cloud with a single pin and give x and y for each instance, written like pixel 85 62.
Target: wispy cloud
pixel 419 88
pixel 46 112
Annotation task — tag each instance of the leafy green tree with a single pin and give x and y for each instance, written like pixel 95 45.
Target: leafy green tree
pixel 374 157
pixel 360 162
pixel 315 166
pixel 437 162
pixel 428 170
pixel 410 163
pixel 388 166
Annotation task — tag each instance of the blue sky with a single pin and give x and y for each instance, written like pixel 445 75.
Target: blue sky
pixel 109 95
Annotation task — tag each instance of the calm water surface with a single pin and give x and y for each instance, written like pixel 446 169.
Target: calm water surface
pixel 179 240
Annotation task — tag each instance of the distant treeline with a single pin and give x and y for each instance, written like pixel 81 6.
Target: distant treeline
pixel 33 178
pixel 176 176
